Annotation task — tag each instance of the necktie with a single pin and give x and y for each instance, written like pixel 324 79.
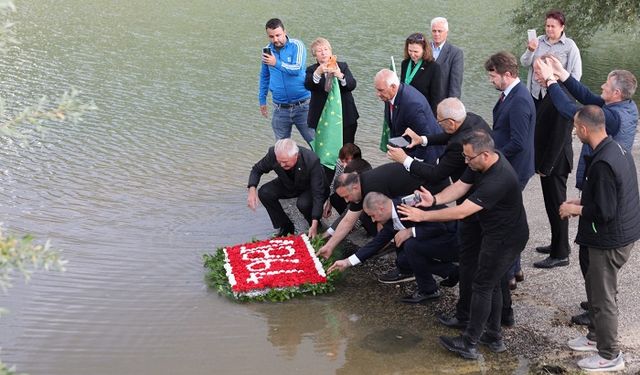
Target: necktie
pixel 391 107
pixel 502 97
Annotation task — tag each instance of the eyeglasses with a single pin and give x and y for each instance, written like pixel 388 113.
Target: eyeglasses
pixel 469 158
pixel 443 120
pixel 415 38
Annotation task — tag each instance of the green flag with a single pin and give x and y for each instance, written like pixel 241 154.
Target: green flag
pixel 384 139
pixel 328 139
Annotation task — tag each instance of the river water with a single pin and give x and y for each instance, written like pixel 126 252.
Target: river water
pixel 136 193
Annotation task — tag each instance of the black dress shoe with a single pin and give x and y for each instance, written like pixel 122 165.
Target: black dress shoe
pixel 495 345
pixel 550 262
pixel 451 281
pixel 507 320
pixel 395 276
pixel 418 297
pixel 459 345
pixel 581 319
pixel 519 275
pixel 584 305
pixel 544 249
pixel 285 230
pixel 452 322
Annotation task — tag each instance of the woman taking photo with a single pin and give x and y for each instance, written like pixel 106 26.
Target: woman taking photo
pixel 553 42
pixel 420 70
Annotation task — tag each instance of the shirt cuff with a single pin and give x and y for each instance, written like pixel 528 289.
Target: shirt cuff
pixel 316 78
pixel 343 81
pixel 331 231
pixel 407 163
pixel 354 260
pixel 413 232
pixel 425 141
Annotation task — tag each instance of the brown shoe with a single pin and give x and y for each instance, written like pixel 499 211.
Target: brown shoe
pixel 519 276
pixel 513 285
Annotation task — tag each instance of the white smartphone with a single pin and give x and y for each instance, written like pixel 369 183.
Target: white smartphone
pixel 531 34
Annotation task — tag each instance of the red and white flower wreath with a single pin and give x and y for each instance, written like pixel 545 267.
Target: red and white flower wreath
pixel 255 268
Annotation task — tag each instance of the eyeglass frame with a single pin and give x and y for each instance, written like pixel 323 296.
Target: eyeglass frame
pixel 469 158
pixel 443 120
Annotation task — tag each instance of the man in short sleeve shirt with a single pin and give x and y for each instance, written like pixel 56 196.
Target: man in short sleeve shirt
pixel 497 200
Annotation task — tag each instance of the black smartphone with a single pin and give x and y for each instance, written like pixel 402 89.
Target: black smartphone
pixel 401 142
pixel 266 50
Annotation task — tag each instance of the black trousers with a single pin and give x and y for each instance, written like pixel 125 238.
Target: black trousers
pixel 428 257
pixel 494 260
pixel 554 192
pixel 270 195
pixel 470 235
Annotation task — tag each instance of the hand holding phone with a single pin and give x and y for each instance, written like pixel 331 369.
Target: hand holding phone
pixel 266 50
pixel 401 142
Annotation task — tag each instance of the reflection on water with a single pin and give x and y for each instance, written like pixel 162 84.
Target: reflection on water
pixel 142 188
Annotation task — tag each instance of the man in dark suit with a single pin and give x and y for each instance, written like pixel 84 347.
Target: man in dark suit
pixel 553 162
pixel 299 175
pixel 449 57
pixel 514 120
pixel 423 248
pixel 389 179
pixel 514 115
pixel 316 82
pixel 405 107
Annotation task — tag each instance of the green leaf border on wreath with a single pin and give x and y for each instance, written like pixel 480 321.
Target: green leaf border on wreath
pixel 216 278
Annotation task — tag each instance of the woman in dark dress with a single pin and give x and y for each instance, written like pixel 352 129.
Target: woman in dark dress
pixel 420 70
pixel 315 81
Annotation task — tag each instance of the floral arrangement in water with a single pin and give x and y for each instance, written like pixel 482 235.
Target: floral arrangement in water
pixel 276 269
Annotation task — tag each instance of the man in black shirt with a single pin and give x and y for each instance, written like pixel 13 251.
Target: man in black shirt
pixel 497 200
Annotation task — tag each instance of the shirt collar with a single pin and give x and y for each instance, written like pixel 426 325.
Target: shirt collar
pixel 439 48
pixel 511 86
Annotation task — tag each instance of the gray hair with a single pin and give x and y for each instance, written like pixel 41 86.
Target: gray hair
pixel 389 77
pixel 373 200
pixel 624 81
pixel 452 108
pixel 286 146
pixel 441 20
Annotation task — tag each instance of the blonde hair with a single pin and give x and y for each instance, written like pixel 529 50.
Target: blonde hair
pixel 317 42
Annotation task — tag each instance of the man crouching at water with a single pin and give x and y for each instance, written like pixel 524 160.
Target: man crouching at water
pixel 299 175
pixel 424 248
pixel 497 200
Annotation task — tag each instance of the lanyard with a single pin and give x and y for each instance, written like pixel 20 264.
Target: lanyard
pixel 408 76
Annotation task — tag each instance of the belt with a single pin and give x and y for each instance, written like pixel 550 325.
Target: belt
pixel 291 105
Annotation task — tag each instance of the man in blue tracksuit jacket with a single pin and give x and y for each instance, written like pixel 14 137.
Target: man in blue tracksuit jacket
pixel 283 73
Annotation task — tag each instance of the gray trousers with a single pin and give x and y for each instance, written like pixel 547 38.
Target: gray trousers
pixel 601 283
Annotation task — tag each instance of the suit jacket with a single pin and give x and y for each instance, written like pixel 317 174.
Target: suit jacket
pixel 451 61
pixel 428 80
pixel 514 121
pixel 319 96
pixel 428 233
pixel 390 179
pixel 308 176
pixel 451 163
pixel 411 110
pixel 552 140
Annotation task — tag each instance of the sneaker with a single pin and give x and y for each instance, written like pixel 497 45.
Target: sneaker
pixel 597 363
pixel 459 345
pixel 418 297
pixel 496 346
pixel 395 276
pixel 582 344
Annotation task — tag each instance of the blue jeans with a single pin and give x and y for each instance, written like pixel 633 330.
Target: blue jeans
pixel 284 118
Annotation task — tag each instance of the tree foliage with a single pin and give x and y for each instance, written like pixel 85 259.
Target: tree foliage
pixel 583 17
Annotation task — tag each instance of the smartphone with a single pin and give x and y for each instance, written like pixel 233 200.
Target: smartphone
pixel 401 142
pixel 531 34
pixel 266 50
pixel 411 200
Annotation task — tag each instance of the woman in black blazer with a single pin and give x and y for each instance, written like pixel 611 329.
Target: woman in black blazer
pixel 420 70
pixel 316 76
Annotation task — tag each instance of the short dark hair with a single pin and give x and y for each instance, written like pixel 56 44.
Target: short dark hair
pixel 347 180
pixel 591 116
pixel 556 15
pixel 274 23
pixel 418 38
pixel 350 149
pixel 358 166
pixel 480 141
pixel 501 63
